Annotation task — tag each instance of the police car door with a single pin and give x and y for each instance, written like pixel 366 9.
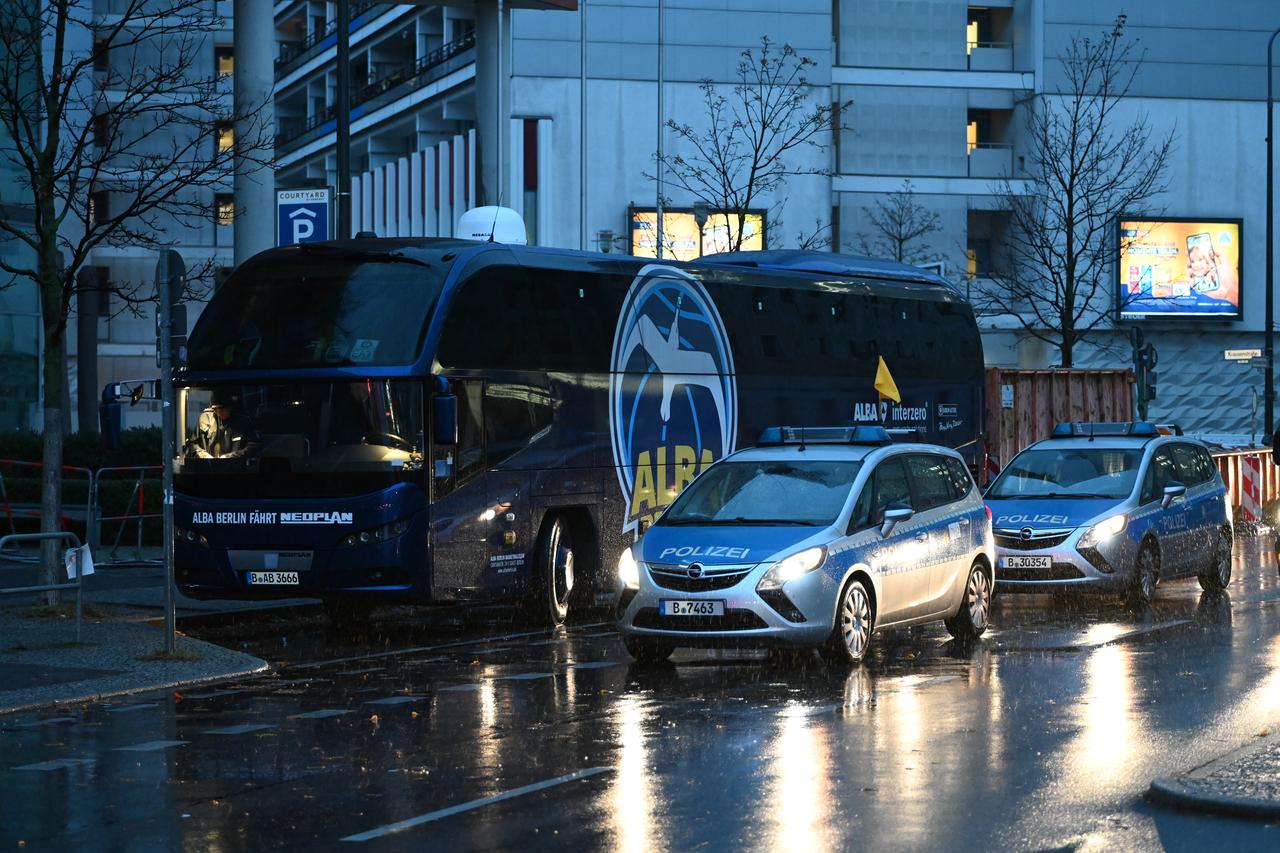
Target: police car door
pixel 939 534
pixel 1202 538
pixel 1170 525
pixel 904 579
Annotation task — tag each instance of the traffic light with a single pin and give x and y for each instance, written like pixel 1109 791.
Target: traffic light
pixel 1150 379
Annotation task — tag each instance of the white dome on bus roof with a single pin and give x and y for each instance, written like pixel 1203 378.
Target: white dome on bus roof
pixel 492 224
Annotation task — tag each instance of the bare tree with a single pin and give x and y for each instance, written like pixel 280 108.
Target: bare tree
pixel 1083 172
pixel 98 108
pixel 900 228
pixel 743 152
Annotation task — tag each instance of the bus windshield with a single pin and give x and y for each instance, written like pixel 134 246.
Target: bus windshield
pixel 318 311
pixel 807 493
pixel 367 425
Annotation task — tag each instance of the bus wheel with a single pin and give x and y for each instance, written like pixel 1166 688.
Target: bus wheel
pixel 553 576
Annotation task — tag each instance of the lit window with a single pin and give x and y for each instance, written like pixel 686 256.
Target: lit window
pixel 224 60
pixel 226 134
pixel 972 136
pixel 225 203
pixel 971 36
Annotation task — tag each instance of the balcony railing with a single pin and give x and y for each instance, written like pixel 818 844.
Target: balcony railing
pixel 293 53
pixel 410 77
pixel 990 55
pixel 990 159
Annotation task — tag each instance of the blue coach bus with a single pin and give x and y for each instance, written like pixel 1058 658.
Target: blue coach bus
pixel 433 420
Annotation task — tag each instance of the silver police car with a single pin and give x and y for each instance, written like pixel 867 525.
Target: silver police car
pixel 1112 507
pixel 816 537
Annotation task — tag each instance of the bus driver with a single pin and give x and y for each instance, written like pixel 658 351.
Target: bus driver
pixel 223 431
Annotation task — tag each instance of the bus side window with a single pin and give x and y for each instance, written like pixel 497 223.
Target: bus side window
pixel 515 415
pixel 469 453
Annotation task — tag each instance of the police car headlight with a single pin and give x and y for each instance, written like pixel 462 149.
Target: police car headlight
pixel 1104 530
pixel 629 570
pixel 789 568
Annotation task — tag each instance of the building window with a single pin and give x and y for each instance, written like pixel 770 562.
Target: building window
pixel 531 177
pixel 101 130
pixel 225 133
pixel 225 208
pixel 979 130
pixel 978 30
pixel 224 60
pixel 99 207
pixel 101 55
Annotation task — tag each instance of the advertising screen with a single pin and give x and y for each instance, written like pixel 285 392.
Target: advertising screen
pixel 680 233
pixel 1178 268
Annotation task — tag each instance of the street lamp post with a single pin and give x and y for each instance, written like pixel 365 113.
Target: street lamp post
pixel 1269 395
pixel 700 211
pixel 342 118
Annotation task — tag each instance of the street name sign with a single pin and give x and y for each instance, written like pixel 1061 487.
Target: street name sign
pixel 1241 354
pixel 302 216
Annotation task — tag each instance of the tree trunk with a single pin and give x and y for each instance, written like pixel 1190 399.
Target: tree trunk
pixel 55 395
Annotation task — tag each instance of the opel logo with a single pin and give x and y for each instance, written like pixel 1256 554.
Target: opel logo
pixel 695 571
pixel 1026 533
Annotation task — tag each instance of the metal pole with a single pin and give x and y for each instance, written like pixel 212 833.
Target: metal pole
pixel 502 125
pixel 661 109
pixel 342 116
pixel 166 438
pixel 1269 396
pixel 582 125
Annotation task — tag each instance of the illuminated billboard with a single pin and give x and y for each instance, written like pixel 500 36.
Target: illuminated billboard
pixel 680 233
pixel 1178 268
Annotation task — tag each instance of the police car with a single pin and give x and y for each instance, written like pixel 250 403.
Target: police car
pixel 1112 507
pixel 815 537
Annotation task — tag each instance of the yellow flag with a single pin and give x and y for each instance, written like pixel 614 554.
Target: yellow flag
pixel 885 384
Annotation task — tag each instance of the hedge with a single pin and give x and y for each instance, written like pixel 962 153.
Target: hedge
pixel 138 446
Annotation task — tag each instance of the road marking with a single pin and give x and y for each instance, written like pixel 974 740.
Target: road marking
pixel 456 644
pixel 322 714
pixel 243 729
pixel 526 676
pixel 150 746
pixel 361 671
pixel 401 826
pixel 395 700
pixel 57 764
pixel 457 688
pixel 596 664
pixel 126 709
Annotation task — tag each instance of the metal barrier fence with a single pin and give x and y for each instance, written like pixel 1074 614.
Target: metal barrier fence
pixel 1252 478
pixel 132 511
pixel 50 587
pixel 21 508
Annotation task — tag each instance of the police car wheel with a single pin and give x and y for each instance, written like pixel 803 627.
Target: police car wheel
pixel 1219 573
pixel 1145 576
pixel 553 582
pixel 647 651
pixel 970 620
pixel 851 635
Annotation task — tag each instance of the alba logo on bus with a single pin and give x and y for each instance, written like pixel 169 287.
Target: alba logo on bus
pixel 673 397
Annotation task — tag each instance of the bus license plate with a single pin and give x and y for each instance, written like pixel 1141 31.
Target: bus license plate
pixel 691 608
pixel 1030 562
pixel 273 578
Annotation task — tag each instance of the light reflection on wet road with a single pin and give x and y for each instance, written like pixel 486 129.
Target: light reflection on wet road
pixel 428 734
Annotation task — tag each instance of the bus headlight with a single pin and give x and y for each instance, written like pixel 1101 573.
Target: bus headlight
pixel 1104 530
pixel 378 534
pixel 789 568
pixel 629 570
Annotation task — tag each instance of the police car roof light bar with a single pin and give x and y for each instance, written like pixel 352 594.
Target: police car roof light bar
pixel 1112 429
pixel 772 436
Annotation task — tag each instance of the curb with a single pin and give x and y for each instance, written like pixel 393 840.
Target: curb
pixel 1188 791
pixel 1174 792
pixel 261 668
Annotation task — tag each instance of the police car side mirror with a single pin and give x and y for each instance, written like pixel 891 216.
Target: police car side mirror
pixel 444 420
pixel 893 514
pixel 1172 491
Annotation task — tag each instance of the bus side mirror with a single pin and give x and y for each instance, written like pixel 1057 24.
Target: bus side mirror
pixel 110 418
pixel 444 420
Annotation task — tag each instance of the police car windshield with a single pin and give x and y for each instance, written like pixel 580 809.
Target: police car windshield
pixel 764 493
pixel 1069 473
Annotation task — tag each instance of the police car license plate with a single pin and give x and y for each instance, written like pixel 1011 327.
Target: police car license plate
pixel 273 578
pixel 1029 562
pixel 668 607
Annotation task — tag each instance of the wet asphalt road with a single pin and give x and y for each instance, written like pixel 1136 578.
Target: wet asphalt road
pixel 428 732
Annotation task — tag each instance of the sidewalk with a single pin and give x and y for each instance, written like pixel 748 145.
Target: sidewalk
pixel 1244 783
pixel 123 637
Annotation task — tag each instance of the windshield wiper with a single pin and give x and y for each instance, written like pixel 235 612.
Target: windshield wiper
pixel 1072 495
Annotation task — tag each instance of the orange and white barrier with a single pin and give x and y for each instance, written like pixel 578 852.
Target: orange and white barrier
pixel 1251 488
pixel 1252 478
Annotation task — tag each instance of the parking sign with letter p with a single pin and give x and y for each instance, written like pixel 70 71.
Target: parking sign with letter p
pixel 302 216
